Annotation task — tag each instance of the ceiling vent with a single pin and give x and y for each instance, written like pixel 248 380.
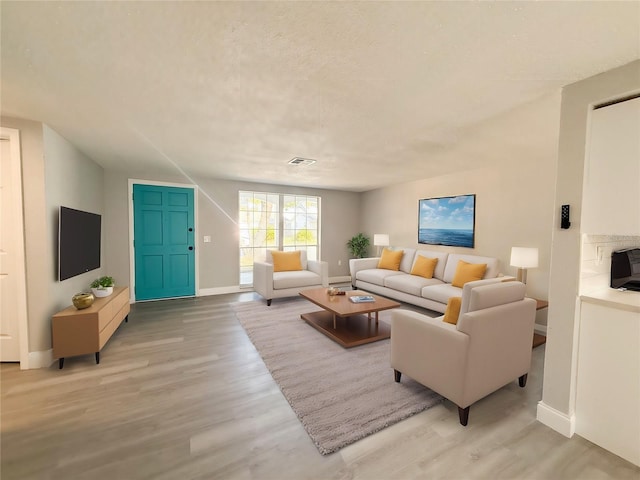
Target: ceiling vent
pixel 301 161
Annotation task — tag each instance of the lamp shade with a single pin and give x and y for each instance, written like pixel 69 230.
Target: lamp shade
pixel 381 239
pixel 524 257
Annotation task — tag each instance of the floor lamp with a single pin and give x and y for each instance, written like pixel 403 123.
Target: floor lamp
pixel 381 240
pixel 523 258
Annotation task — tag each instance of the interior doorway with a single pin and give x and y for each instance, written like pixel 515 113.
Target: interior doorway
pixel 13 296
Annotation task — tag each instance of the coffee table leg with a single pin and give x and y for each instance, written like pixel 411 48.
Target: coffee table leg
pixel 334 321
pixel 376 319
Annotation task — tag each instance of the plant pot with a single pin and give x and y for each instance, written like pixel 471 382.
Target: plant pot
pixel 102 291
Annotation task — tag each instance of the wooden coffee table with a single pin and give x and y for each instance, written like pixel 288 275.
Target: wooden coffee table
pixel 347 323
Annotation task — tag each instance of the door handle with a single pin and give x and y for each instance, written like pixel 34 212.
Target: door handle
pixel 190 248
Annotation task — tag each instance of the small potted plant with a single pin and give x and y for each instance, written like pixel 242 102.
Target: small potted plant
pixel 103 286
pixel 358 245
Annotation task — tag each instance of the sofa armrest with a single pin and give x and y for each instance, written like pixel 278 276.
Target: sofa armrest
pixel 357 264
pixel 500 346
pixel 320 268
pixel 263 279
pixel 429 351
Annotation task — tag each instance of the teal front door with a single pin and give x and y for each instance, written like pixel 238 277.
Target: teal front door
pixel 164 242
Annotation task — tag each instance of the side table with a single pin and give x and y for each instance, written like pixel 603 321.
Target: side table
pixel 537 338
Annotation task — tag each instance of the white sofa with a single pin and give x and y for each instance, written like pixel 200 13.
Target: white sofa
pixel 270 284
pixel 431 293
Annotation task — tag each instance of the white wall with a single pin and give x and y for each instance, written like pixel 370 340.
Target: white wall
pixel 38 252
pixel 71 180
pixel 218 261
pixel 558 400
pixel 514 196
pixel 54 172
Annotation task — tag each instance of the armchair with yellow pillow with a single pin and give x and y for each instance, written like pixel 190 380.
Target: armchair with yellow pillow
pixel 285 274
pixel 482 343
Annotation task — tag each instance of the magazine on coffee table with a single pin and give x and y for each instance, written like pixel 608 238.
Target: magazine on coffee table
pixel 362 298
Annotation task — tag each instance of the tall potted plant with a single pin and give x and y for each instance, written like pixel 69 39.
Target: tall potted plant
pixel 358 245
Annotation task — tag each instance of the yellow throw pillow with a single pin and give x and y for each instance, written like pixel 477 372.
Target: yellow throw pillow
pixel 286 261
pixel 452 312
pixel 468 272
pixel 390 259
pixel 424 266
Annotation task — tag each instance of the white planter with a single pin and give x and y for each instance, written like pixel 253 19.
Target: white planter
pixel 102 292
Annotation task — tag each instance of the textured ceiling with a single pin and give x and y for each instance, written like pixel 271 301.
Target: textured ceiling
pixel 375 92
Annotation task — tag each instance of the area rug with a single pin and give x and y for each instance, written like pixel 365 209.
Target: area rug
pixel 340 395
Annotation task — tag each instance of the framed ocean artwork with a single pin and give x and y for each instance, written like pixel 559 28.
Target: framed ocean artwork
pixel 447 221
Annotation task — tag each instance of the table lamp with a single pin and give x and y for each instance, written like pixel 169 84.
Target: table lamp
pixel 523 258
pixel 381 240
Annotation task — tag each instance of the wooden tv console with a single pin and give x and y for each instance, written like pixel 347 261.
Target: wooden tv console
pixel 79 332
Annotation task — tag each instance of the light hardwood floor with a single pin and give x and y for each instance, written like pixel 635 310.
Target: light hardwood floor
pixel 181 393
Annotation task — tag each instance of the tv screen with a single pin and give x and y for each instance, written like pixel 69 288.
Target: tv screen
pixel 447 221
pixel 78 242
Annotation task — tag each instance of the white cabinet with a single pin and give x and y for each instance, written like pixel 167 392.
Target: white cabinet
pixel 611 195
pixel 608 383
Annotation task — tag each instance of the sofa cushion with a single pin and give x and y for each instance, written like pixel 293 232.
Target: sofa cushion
pixel 412 284
pixel 424 266
pixel 292 279
pixel 452 312
pixel 286 261
pixel 376 275
pixel 440 266
pixel 441 293
pixel 407 260
pixel 390 259
pixel 468 272
pixel 452 264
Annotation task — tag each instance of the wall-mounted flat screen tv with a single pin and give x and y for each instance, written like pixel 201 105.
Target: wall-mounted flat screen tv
pixel 447 221
pixel 78 242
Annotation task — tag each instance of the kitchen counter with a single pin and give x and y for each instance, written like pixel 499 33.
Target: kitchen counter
pixel 608 373
pixel 610 297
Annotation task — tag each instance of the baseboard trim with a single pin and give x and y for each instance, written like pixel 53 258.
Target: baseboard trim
pixel 204 292
pixel 541 329
pixel 340 279
pixel 42 359
pixel 556 420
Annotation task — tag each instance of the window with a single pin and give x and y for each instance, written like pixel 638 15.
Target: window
pixel 277 222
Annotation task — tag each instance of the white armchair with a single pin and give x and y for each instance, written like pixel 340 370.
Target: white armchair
pixel 489 347
pixel 270 284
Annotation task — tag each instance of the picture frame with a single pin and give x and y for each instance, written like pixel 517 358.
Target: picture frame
pixel 447 221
